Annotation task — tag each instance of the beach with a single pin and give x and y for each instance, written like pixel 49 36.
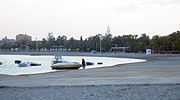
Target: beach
pixel 156 79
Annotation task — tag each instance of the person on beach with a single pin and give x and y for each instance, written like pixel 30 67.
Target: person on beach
pixel 83 63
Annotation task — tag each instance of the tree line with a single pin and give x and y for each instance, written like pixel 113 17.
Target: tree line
pixel 135 43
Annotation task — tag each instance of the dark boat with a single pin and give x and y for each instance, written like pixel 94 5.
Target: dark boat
pixel 89 63
pixel 99 63
pixel 17 61
pixel 0 63
pixel 34 64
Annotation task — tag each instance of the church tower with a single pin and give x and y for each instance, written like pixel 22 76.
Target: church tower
pixel 108 31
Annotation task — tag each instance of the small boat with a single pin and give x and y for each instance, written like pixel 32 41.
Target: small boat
pixel 1 63
pixel 99 63
pixel 58 63
pixel 34 64
pixel 66 65
pixel 27 64
pixel 89 63
pixel 17 61
pixel 24 64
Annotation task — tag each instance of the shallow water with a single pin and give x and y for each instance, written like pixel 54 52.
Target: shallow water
pixel 10 68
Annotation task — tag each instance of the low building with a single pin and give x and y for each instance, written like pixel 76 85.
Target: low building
pixel 119 49
pixel 23 37
pixel 6 40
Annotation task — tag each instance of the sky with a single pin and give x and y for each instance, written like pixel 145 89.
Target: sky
pixel 74 18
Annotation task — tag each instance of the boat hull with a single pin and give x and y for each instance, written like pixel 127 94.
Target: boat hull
pixel 66 66
pixel 89 63
pixel 35 64
pixel 17 61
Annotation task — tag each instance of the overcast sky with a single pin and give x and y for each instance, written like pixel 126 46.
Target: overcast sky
pixel 74 18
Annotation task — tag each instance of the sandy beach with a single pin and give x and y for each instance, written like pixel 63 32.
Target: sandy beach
pixel 156 79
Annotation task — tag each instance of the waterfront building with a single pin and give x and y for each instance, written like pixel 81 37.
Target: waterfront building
pixel 6 40
pixel 120 49
pixel 23 37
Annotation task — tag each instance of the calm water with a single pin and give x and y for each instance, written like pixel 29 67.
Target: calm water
pixel 10 68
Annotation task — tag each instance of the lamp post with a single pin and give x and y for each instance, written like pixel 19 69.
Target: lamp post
pixel 36 44
pixel 100 38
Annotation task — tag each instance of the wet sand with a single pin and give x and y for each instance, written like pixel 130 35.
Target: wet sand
pixel 158 78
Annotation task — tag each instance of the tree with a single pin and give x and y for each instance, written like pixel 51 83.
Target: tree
pixel 81 39
pixel 155 43
pixel 60 41
pixel 126 41
pixel 107 42
pixel 143 42
pixel 72 44
pixel 44 43
pixel 82 44
pixel 93 43
pixel 174 40
pixel 32 46
pixel 51 39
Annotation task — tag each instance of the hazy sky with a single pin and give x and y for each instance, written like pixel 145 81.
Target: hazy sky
pixel 74 18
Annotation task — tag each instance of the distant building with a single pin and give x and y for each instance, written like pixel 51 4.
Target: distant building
pixel 23 37
pixel 119 49
pixel 6 40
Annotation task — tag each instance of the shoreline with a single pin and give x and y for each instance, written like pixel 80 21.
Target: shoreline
pixel 160 62
pixel 157 78
pixel 104 54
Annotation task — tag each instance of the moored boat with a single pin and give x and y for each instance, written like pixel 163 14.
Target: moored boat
pixel 58 63
pixel 66 65
pixel 89 63
pixel 35 64
pixel 17 61
pixel 99 63
pixel 24 64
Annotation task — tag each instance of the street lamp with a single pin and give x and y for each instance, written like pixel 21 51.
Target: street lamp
pixel 100 38
pixel 36 45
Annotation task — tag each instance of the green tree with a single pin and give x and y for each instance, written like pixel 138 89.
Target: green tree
pixel 43 43
pixel 51 40
pixel 174 40
pixel 143 42
pixel 72 44
pixel 107 42
pixel 93 43
pixel 61 40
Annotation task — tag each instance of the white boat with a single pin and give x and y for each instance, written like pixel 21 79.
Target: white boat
pixel 24 64
pixel 58 63
pixel 28 64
